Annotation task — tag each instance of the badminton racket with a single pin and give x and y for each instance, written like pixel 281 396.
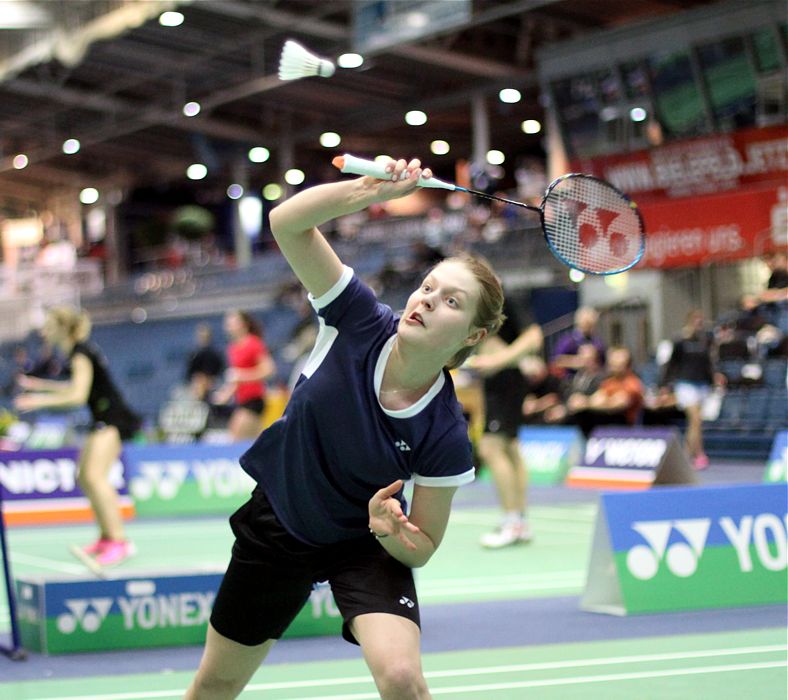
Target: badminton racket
pixel 589 224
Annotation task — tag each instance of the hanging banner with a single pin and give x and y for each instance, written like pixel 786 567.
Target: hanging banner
pixel 705 165
pixel 714 228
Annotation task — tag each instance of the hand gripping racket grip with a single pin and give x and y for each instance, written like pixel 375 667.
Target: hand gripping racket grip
pixel 360 166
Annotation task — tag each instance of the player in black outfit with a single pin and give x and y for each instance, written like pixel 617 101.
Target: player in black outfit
pixel 113 421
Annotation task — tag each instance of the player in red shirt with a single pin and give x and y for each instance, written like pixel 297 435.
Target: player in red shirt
pixel 249 365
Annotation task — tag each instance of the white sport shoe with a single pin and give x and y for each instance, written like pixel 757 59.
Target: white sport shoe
pixel 506 535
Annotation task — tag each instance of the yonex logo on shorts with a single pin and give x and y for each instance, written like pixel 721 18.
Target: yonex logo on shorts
pixel 681 558
pixel 86 613
pixel 402 445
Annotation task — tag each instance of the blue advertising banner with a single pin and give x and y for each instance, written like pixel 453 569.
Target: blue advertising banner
pixel 679 548
pixel 187 479
pixel 549 451
pixel 40 486
pixel 621 457
pixel 777 466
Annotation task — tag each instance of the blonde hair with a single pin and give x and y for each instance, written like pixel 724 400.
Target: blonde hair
pixel 74 324
pixel 489 310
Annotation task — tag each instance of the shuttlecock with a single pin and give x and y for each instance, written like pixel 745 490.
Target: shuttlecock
pixel 297 62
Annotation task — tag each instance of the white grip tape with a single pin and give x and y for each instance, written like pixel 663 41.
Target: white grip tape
pixel 373 168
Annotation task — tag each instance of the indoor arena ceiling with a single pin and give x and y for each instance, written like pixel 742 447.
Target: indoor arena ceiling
pixel 107 73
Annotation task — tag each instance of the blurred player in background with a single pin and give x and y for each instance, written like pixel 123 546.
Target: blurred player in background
pixel 113 421
pixel 249 365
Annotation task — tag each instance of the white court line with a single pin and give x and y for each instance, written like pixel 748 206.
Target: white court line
pixel 575 680
pixel 45 563
pixel 484 670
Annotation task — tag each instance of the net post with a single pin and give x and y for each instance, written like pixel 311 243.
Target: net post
pixel 15 651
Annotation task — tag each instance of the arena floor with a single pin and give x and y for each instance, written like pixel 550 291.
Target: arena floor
pixel 503 624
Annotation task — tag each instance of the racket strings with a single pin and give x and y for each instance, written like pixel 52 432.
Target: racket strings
pixel 592 226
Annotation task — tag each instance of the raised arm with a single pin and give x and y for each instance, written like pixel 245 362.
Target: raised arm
pixel 294 222
pixel 70 394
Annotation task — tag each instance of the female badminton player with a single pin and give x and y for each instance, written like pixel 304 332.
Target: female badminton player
pixel 373 407
pixel 113 421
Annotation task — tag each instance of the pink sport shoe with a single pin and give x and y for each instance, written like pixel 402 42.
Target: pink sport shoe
pixel 701 462
pixel 115 552
pixel 96 547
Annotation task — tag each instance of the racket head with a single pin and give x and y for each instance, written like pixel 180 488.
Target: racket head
pixel 592 226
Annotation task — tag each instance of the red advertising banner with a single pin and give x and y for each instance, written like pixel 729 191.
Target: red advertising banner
pixel 716 163
pixel 715 228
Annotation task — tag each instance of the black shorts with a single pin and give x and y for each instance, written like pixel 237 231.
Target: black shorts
pixel 503 414
pixel 271 575
pixel 253 405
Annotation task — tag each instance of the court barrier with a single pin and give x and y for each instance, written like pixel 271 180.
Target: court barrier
pixel 550 451
pixel 40 486
pixel 777 465
pixel 680 548
pixel 140 611
pixel 194 479
pixel 624 458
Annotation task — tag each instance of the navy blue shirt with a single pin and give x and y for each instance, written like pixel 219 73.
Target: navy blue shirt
pixel 336 445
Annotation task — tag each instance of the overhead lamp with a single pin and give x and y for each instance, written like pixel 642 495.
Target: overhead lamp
pixel 531 126
pixel 89 195
pixel 495 157
pixel 191 109
pixel 440 147
pixel 350 60
pixel 171 19
pixel 196 171
pixel 509 95
pixel 20 161
pixel 637 114
pixel 415 117
pixel 259 154
pixel 330 139
pixel 235 191
pixel 71 146
pixel 272 191
pixel 294 176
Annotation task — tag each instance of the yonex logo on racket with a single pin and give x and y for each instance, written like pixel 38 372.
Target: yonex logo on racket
pixel 681 557
pixel 86 613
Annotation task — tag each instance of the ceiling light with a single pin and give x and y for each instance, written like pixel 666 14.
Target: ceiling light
pixel 329 139
pixel 531 126
pixel 20 161
pixel 350 60
pixel 89 195
pixel 71 146
pixel 272 191
pixel 294 176
pixel 495 157
pixel 191 109
pixel 170 19
pixel 637 114
pixel 440 147
pixel 509 95
pixel 196 171
pixel 259 154
pixel 415 118
pixel 235 191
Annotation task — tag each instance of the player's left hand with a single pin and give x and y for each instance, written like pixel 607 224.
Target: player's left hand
pixel 386 516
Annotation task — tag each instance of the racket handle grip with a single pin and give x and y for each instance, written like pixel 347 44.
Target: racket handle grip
pixel 359 166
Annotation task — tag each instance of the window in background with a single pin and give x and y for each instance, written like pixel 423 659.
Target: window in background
pixel 678 100
pixel 731 83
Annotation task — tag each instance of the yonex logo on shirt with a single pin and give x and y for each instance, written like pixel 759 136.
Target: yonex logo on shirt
pixel 402 445
pixel 407 602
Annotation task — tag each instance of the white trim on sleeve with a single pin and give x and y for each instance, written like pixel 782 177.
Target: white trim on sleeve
pixel 325 299
pixel 455 480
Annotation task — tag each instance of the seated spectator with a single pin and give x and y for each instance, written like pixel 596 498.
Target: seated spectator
pixel 543 390
pixel 618 400
pixel 565 351
pixel 585 382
